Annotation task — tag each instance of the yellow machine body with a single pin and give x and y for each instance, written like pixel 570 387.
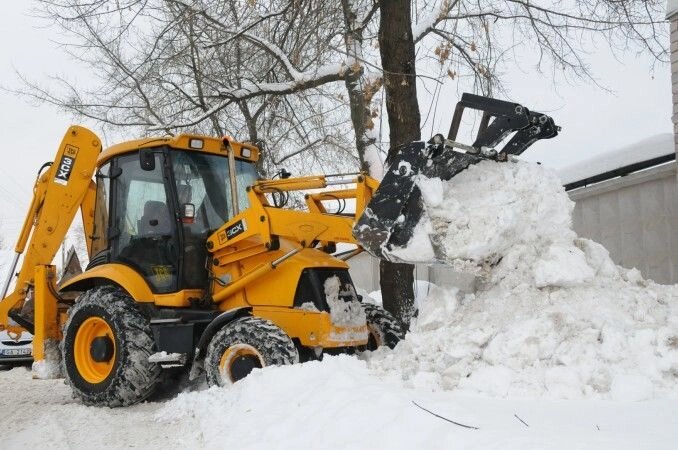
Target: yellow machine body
pixel 255 259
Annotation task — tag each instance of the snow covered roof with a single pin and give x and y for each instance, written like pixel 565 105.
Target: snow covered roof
pixel 671 8
pixel 649 148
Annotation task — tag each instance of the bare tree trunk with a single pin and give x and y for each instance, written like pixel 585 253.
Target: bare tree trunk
pixel 360 92
pixel 360 113
pixel 253 136
pixel 396 45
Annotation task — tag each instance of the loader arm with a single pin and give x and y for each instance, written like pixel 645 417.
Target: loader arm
pixel 58 193
pixel 262 226
pixel 265 222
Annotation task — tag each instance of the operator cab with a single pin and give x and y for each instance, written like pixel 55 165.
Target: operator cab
pixel 157 205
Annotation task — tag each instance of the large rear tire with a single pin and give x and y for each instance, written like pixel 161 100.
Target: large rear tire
pixel 106 345
pixel 383 327
pixel 246 344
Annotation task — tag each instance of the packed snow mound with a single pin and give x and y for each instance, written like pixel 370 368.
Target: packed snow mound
pixel 49 368
pixel 336 404
pixel 553 315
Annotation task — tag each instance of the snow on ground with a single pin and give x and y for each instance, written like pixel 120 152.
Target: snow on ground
pixel 335 404
pixel 42 414
pixel 554 317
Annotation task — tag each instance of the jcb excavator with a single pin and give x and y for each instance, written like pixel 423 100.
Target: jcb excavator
pixel 196 263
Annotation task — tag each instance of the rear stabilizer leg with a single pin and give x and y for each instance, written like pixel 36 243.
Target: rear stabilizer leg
pixel 46 353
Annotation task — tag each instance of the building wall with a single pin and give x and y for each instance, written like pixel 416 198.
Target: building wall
pixel 636 218
pixel 673 19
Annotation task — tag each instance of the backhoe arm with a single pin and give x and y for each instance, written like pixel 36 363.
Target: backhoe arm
pixel 58 193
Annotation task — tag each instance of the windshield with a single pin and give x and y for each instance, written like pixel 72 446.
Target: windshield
pixel 203 180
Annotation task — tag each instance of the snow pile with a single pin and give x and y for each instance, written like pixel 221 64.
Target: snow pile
pixel 486 210
pixel 339 404
pixel 553 317
pixel 336 404
pixel 329 404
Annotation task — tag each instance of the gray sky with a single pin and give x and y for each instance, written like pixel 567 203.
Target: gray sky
pixel 593 120
pixel 32 133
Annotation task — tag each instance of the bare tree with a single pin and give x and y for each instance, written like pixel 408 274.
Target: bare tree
pixel 171 65
pixel 222 66
pixel 472 39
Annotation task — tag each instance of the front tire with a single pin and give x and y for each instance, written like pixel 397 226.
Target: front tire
pixel 106 345
pixel 383 327
pixel 246 344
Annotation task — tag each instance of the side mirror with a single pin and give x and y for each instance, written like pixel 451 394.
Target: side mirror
pixel 114 172
pixel 146 159
pixel 187 213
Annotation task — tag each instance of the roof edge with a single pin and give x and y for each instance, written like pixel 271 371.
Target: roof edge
pixel 671 8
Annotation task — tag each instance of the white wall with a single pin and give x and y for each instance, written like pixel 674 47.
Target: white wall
pixel 636 218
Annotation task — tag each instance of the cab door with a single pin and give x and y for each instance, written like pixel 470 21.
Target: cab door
pixel 143 233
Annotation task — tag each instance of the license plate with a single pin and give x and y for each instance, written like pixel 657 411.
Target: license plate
pixel 15 352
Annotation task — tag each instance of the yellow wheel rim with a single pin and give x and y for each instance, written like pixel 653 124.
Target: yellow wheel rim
pixel 234 355
pixel 89 369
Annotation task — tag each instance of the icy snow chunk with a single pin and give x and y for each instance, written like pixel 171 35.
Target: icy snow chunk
pixel 347 313
pixel 633 276
pixel 482 212
pixel 419 249
pixel 597 257
pixel 563 266
pixel 50 367
pixel 431 190
pixel 440 304
pixel 308 306
pixel 631 387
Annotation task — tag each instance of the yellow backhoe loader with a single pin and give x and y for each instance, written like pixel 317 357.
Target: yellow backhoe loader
pixel 195 263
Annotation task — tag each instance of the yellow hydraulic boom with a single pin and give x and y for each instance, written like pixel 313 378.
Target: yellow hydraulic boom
pixel 58 193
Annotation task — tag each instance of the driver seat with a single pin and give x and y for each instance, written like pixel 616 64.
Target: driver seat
pixel 155 221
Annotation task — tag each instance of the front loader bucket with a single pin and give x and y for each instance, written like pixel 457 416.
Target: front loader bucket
pixel 395 209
